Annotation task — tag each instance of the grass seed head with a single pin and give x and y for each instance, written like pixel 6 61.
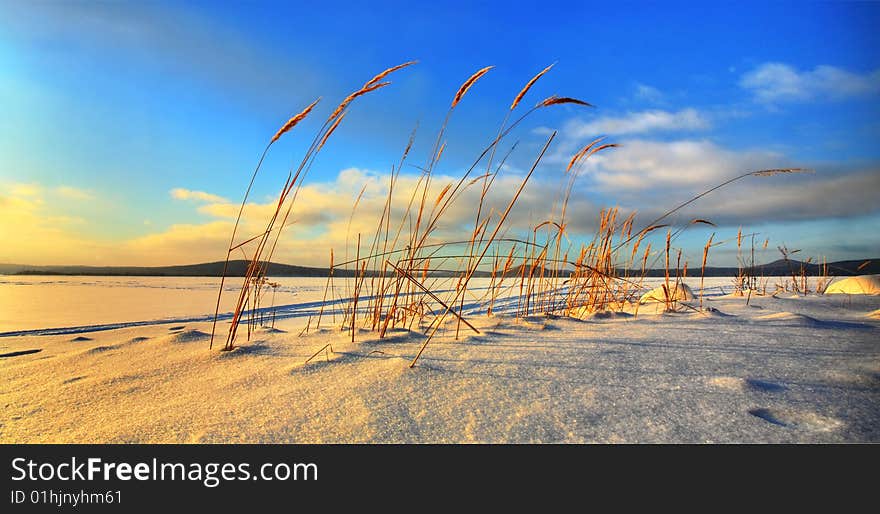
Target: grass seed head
pixel 468 83
pixel 294 120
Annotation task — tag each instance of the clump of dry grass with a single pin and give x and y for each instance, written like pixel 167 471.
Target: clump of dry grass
pixel 257 268
pixel 824 278
pixel 406 276
pixel 292 122
pixel 798 274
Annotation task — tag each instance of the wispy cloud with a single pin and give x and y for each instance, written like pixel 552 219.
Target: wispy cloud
pixel 639 123
pixel 74 193
pixel 26 190
pixel 778 82
pixel 180 193
pixel 168 36
pixel 648 93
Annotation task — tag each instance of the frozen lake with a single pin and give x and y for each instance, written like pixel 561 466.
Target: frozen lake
pixel 51 302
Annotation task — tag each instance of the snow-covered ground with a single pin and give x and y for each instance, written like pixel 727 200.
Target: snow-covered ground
pixel 38 302
pixel 127 360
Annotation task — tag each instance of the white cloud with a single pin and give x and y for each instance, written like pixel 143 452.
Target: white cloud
pixel 778 82
pixel 74 193
pixel 180 193
pixel 647 176
pixel 818 196
pixel 652 177
pixel 656 165
pixel 639 123
pixel 648 93
pixel 41 235
pixel 25 190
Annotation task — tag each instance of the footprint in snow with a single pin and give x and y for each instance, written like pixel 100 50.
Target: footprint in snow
pixel 19 353
pixel 764 386
pixel 790 418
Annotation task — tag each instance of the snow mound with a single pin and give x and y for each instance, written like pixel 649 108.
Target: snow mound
pixel 790 317
pixel 584 313
pixel 100 349
pixel 681 293
pixel 610 315
pixel 863 284
pixel 271 330
pixel 188 336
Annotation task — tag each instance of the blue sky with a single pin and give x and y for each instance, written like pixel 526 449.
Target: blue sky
pixel 109 107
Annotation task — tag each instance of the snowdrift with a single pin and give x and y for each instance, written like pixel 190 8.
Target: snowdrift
pixel 681 293
pixel 864 284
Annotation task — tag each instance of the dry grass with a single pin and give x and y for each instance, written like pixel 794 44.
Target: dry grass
pixel 292 122
pixel 468 84
pixel 257 269
pixel 406 276
pixel 703 265
pixel 528 86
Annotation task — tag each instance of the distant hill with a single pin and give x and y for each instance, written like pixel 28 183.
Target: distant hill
pixel 208 269
pixel 238 268
pixel 783 267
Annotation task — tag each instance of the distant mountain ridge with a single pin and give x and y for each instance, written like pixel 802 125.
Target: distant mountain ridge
pixel 235 268
pixel 238 268
pixel 782 267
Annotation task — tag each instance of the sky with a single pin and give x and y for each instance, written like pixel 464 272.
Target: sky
pixel 129 130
